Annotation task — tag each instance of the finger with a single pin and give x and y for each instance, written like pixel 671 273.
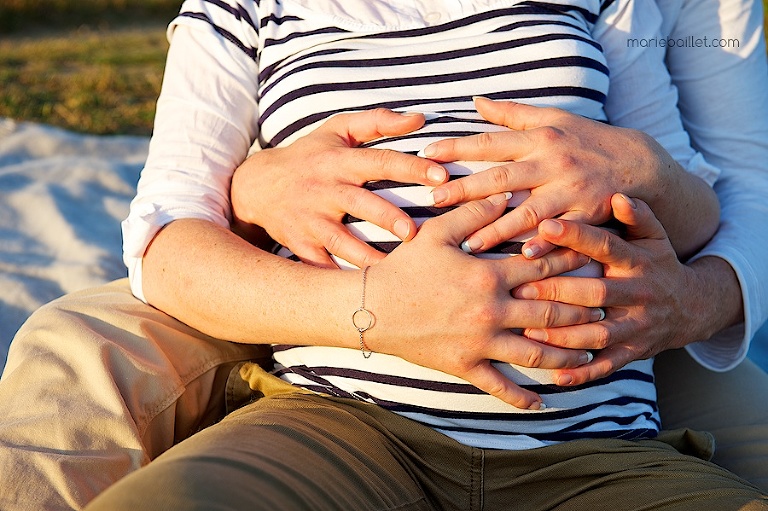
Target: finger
pixel 376 164
pixel 516 116
pixel 538 246
pixel 512 177
pixel 488 379
pixel 518 350
pixel 501 146
pixel 312 254
pixel 543 314
pixel 518 224
pixel 584 291
pixel 638 218
pixel 361 127
pixel 454 226
pixel 606 362
pixel 520 271
pixel 367 164
pixel 594 335
pixel 596 242
pixel 366 205
pixel 338 241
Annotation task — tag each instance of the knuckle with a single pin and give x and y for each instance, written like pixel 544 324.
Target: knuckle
pixel 333 242
pixel 534 356
pixel 599 293
pixel 498 177
pixel 602 337
pixel 530 216
pixel 550 134
pixel 566 161
pixel 382 158
pixel 485 140
pixel 550 315
pixel 458 189
pixel 606 245
pixel 351 197
pixel 543 266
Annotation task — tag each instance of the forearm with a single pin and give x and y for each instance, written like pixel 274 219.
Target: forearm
pixel 686 206
pixel 712 277
pixel 209 278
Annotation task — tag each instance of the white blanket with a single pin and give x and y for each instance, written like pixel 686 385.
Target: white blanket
pixel 62 198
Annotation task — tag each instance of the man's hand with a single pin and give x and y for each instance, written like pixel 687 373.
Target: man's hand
pixel 299 194
pixel 651 299
pixel 573 166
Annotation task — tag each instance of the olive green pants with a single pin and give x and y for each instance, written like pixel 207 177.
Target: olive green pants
pixel 291 450
pixel 98 384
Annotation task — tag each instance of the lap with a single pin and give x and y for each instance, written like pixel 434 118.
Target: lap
pixel 293 450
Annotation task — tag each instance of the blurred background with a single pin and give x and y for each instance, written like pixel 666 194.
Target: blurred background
pixel 92 66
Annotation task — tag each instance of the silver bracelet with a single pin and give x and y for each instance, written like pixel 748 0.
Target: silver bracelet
pixel 363 319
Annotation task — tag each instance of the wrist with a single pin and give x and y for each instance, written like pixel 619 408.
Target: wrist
pixel 711 277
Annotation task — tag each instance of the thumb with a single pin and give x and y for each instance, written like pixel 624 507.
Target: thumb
pixel 637 217
pixel 454 226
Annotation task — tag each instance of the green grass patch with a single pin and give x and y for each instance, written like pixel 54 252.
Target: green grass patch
pixel 19 16
pixel 91 81
pixel 93 66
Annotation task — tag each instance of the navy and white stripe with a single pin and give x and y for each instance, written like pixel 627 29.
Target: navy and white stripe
pixel 315 59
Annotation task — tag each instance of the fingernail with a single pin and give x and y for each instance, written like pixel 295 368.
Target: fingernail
pixel 475 98
pixel 429 151
pixel 551 227
pixel 531 251
pixel 436 174
pixel 598 314
pixel 411 114
pixel 537 334
pixel 439 195
pixel 500 198
pixel 564 379
pixel 537 405
pixel 402 228
pixel 469 245
pixel 632 204
pixel 527 293
pixel 585 358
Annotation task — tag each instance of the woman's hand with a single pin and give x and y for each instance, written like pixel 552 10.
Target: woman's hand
pixel 441 308
pixel 653 302
pixel 319 178
pixel 572 166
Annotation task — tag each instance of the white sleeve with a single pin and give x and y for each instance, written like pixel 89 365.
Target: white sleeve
pixel 641 95
pixel 204 125
pixel 723 89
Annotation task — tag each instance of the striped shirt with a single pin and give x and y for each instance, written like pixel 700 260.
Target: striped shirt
pixel 317 58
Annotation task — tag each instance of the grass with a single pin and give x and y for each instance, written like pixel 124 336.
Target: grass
pixel 93 66
pixel 103 82
pixel 25 15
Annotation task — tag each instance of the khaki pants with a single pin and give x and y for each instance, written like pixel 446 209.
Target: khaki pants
pixel 295 451
pixel 97 384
